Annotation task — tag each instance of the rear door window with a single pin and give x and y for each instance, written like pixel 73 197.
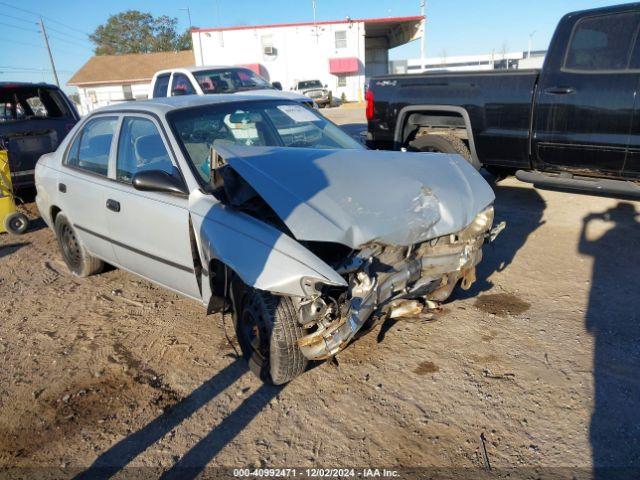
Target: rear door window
pixel 90 149
pixel 602 43
pixel 161 86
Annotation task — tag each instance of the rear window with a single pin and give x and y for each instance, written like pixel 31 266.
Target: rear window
pixel 309 84
pixel 602 43
pixel 24 103
pixel 161 86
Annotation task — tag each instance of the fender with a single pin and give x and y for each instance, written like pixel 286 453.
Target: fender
pixel 398 141
pixel 261 255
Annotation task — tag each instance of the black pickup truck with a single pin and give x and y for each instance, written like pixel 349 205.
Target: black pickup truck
pixel 573 125
pixel 34 119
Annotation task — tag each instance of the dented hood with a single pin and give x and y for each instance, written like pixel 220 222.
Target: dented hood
pixel 354 197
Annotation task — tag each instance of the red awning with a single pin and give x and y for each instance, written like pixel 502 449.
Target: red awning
pixel 343 65
pixel 258 69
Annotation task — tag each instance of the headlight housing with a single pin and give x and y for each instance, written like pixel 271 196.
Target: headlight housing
pixel 480 225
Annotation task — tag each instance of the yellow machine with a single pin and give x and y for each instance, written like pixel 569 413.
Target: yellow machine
pixel 11 220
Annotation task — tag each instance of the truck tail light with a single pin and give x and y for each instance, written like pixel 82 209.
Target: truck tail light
pixel 369 99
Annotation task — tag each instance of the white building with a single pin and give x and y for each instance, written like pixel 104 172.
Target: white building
pixel 467 63
pixel 108 79
pixel 341 54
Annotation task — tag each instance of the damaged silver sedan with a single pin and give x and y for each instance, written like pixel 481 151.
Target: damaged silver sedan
pixel 264 208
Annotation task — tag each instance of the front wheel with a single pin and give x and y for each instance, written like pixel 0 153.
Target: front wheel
pixel 444 144
pixel 267 329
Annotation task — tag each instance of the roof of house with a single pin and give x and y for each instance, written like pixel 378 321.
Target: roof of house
pixel 131 68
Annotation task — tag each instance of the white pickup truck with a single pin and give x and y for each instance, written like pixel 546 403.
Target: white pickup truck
pixel 208 80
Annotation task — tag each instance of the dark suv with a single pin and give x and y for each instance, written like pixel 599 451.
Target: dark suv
pixel 34 119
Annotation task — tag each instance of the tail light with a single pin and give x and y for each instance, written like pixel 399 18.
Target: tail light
pixel 369 99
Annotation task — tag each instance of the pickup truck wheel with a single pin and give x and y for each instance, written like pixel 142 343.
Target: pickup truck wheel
pixel 73 252
pixel 444 144
pixel 267 329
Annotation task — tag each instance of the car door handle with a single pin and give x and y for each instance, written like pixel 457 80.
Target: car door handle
pixel 62 188
pixel 113 205
pixel 560 90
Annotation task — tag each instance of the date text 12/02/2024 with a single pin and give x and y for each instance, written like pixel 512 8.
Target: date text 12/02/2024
pixel 315 473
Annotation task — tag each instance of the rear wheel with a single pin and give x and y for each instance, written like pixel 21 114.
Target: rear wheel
pixel 267 329
pixel 444 144
pixel 16 223
pixel 79 261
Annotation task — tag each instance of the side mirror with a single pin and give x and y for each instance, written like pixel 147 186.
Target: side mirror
pixel 277 85
pixel 176 92
pixel 159 181
pixel 325 86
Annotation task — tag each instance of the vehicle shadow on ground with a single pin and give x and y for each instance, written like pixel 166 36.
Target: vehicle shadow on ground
pixel 522 209
pixel 11 248
pixel 613 318
pixel 195 460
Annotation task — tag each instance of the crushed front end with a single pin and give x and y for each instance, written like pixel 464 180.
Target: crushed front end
pixel 390 281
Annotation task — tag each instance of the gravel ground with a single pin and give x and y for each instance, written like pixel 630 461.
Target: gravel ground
pixel 537 364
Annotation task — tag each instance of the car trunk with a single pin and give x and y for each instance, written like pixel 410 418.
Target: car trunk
pixel 34 119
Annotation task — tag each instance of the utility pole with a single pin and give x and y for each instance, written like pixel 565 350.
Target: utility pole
pixel 530 42
pixel 188 15
pixel 315 26
pixel 423 5
pixel 46 42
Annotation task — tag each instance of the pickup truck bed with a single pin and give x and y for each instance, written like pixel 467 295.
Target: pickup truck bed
pixel 34 119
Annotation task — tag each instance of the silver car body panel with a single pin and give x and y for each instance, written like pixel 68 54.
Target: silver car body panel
pixel 357 198
pixel 261 255
pixel 354 197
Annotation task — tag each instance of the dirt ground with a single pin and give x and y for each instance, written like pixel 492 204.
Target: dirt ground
pixel 537 364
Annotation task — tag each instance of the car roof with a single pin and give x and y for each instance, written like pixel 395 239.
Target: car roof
pixel 167 104
pixel 201 68
pixel 27 84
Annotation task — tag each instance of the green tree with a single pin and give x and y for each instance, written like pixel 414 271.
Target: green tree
pixel 139 32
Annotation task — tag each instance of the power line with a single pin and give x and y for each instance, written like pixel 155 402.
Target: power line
pixel 68 41
pixel 12 41
pixel 6 15
pixel 31 70
pixel 31 22
pixel 31 12
pixel 68 35
pixel 19 27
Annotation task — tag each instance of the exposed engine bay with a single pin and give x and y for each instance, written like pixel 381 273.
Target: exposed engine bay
pixel 390 281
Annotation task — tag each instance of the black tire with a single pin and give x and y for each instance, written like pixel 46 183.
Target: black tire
pixel 444 144
pixel 76 257
pixel 268 331
pixel 16 223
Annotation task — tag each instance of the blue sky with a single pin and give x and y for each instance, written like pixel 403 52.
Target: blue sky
pixel 455 28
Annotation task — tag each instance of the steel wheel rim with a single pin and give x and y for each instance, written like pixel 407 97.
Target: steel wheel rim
pixel 70 246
